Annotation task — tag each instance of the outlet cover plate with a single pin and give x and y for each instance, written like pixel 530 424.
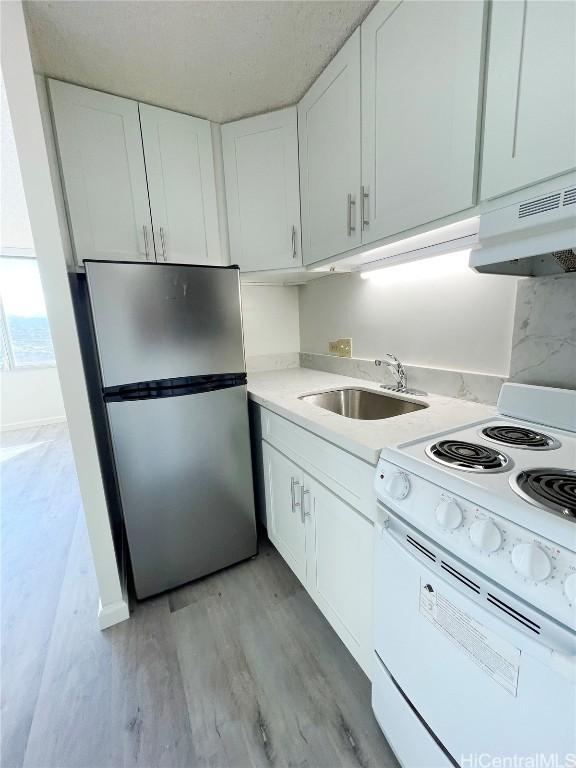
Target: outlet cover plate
pixel 340 347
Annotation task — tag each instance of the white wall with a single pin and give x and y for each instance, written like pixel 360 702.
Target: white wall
pixel 30 397
pixel 454 319
pixel 15 229
pixel 270 316
pixel 33 396
pixel 51 248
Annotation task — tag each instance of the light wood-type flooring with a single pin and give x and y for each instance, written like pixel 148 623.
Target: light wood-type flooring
pixel 238 669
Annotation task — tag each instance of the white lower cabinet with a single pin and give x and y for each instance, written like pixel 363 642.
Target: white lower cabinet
pixel 339 573
pixel 328 545
pixel 284 492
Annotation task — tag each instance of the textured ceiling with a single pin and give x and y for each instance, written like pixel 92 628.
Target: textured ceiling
pixel 212 58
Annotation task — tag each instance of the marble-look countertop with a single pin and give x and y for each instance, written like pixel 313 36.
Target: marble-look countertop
pixel 279 391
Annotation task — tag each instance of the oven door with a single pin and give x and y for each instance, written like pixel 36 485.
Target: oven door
pixel 482 689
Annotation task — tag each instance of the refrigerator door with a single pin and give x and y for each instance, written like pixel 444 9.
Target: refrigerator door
pixel 185 478
pixel 164 321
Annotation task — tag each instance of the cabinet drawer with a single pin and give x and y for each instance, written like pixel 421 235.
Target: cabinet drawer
pixel 343 474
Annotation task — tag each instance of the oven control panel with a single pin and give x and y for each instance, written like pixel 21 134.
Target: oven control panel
pixel 527 564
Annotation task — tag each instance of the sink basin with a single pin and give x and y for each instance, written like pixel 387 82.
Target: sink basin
pixel 362 403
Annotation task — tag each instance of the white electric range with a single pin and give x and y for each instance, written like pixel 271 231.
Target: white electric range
pixel 475 592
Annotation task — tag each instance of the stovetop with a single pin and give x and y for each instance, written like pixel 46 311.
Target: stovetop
pixel 499 494
pixel 488 519
pixel 533 486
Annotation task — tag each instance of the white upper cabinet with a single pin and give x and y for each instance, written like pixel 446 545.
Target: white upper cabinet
pixel 421 75
pixel 329 145
pixel 139 180
pixel 529 125
pixel 102 162
pixel 180 171
pixel 262 190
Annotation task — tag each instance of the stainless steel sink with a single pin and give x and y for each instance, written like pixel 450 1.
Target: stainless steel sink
pixel 362 403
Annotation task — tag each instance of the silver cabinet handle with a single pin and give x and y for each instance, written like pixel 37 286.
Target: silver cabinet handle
pixel 163 241
pixel 293 484
pixel 303 513
pixel 293 242
pixel 146 248
pixel 364 207
pixel 351 204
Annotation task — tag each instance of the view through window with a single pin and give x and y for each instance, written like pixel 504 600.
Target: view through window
pixel 26 338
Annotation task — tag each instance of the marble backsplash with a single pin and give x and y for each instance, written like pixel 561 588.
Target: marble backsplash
pixel 476 387
pixel 272 362
pixel 543 349
pixel 544 336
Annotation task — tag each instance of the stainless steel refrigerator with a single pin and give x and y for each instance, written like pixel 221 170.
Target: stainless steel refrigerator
pixel 171 354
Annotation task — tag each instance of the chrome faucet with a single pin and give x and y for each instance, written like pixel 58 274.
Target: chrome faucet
pixel 398 372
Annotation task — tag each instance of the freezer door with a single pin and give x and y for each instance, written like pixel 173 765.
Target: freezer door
pixel 185 479
pixel 161 321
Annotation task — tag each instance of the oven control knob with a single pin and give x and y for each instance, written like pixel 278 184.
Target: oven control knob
pixel 531 561
pixel 396 485
pixel 570 587
pixel 448 514
pixel 485 535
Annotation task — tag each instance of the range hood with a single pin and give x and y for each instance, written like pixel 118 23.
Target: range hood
pixel 531 238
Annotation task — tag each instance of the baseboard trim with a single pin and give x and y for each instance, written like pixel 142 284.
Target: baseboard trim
pixel 31 423
pixel 109 615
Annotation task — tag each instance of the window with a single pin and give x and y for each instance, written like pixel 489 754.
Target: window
pixel 26 340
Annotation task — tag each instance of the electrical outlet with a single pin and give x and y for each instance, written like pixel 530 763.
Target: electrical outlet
pixel 333 347
pixel 345 347
pixel 340 347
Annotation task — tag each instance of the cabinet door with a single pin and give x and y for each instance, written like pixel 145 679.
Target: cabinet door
pixel 286 528
pixel 529 124
pixel 262 190
pixel 102 163
pixel 421 74
pixel 340 561
pixel 329 146
pixel 180 170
